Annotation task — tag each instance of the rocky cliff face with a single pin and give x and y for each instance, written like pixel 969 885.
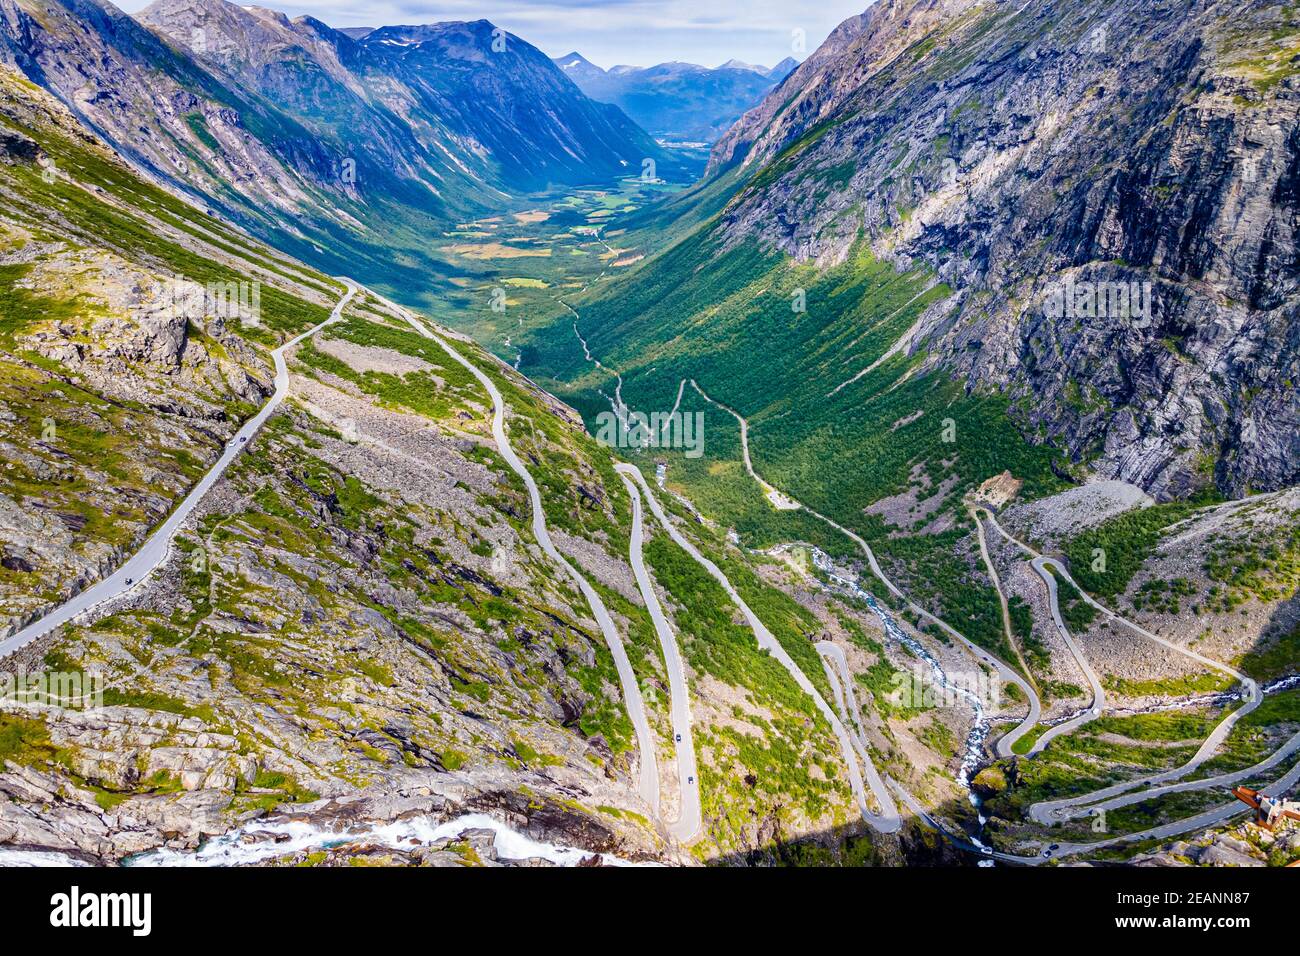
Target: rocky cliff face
pixel 1109 187
pixel 158 108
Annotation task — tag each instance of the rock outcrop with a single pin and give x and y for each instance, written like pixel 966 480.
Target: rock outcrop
pixel 1111 188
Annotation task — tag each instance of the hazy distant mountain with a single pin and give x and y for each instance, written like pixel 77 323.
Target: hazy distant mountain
pixel 742 65
pixel 576 67
pixel 678 101
pixel 783 69
pixel 324 144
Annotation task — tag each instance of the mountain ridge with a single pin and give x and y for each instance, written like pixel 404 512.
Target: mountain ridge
pixel 336 149
pixel 678 100
pixel 964 181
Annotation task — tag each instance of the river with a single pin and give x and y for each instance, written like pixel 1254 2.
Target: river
pixel 264 840
pixel 973 755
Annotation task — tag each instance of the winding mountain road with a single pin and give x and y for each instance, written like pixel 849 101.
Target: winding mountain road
pixel 836 666
pixel 778 500
pixel 992 570
pixel 1006 673
pixel 1158 785
pixel 1208 818
pixel 884 821
pixel 1168 782
pixel 137 569
pixel 1040 565
pixel 1109 797
pixel 1052 811
pixel 887 819
pixel 649 775
pixel 688 823
pixel 1042 812
pixel 853 744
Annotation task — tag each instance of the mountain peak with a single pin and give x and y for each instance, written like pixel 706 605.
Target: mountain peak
pixel 734 64
pixel 238 37
pixel 783 69
pixel 577 66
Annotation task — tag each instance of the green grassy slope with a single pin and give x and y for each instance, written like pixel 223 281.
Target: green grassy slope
pixel 784 344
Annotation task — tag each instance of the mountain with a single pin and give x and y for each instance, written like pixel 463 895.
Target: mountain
pixel 935 132
pixel 875 276
pixel 578 68
pixel 986 283
pixel 783 69
pixel 734 64
pixel 337 149
pixel 950 521
pixel 329 531
pixel 445 84
pixel 356 623
pixel 674 101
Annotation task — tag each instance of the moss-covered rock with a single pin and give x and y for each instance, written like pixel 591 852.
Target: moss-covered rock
pixel 989 782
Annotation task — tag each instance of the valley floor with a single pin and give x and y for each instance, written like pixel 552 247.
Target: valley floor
pixel 399 588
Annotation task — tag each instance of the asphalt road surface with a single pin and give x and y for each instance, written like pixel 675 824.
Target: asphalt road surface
pixel 134 572
pixel 784 502
pixel 688 823
pixel 1098 694
pixel 649 776
pixel 886 820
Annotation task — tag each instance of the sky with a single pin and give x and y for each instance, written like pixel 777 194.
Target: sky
pixel 607 32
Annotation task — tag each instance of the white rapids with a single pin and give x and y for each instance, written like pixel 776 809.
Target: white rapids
pixel 260 841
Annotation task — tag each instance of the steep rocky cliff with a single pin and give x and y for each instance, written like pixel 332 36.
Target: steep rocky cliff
pixel 1109 187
